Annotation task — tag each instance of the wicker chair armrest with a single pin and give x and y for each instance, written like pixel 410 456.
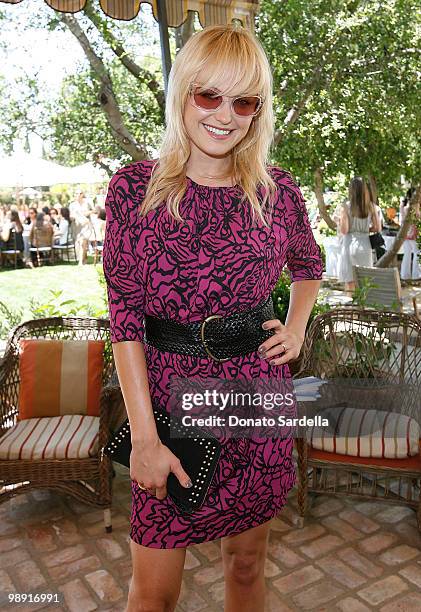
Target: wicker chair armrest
pixel 112 411
pixel 8 390
pixel 6 363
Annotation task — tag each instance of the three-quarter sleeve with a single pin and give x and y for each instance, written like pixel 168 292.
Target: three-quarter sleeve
pixel 304 257
pixel 121 262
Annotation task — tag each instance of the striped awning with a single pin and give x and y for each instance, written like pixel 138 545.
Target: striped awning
pixel 211 12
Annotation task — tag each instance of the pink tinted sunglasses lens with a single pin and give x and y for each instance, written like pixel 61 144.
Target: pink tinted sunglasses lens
pixel 208 100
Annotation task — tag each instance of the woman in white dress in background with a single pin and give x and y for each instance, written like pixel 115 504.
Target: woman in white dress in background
pixel 410 268
pixel 358 218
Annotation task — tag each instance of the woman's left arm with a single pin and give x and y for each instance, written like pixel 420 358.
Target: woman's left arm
pixel 5 234
pixel 305 264
pixel 290 336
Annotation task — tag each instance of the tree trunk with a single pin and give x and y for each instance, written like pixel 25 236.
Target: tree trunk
pixel 389 256
pixel 106 94
pixel 185 31
pixel 318 190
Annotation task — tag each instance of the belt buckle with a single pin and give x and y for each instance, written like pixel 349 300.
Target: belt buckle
pixel 202 335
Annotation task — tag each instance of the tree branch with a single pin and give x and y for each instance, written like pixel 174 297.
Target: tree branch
pixel 98 160
pixel 296 110
pixel 106 94
pixel 141 74
pixel 318 190
pixel 307 91
pixel 414 204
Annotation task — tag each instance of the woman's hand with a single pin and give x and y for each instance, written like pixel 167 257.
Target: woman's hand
pixel 285 342
pixel 150 464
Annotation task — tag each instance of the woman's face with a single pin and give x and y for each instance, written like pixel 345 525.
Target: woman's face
pixel 198 121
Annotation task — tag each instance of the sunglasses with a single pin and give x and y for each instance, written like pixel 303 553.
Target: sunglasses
pixel 211 100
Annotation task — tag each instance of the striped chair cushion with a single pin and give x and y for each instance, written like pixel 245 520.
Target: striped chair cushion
pixel 366 433
pixel 62 437
pixel 60 377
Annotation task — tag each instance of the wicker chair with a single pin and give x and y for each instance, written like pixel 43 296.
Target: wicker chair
pixel 368 358
pixel 89 480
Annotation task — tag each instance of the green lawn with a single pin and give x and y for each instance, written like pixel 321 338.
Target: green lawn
pixel 79 283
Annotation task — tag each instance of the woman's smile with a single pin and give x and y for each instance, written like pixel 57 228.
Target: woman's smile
pixel 217 133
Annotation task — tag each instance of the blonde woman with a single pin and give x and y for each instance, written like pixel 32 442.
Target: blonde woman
pixel 206 229
pixel 358 218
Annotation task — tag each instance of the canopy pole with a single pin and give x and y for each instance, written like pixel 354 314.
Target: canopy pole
pixel 165 43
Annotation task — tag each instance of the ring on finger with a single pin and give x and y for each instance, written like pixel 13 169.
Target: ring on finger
pixel 139 484
pixel 284 347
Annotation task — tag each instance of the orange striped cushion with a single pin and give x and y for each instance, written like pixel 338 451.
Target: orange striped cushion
pixel 60 377
pixel 62 437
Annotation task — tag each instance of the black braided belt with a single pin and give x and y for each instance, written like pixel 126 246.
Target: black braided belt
pixel 216 336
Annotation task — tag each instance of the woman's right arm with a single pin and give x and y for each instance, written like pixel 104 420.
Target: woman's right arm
pixel 150 460
pixel 375 221
pixel 344 221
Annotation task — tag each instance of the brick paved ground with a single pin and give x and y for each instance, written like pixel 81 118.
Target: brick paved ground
pixel 350 557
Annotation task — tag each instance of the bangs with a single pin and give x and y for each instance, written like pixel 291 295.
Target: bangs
pixel 232 68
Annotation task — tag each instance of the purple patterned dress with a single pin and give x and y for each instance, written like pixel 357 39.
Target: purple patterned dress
pixel 217 263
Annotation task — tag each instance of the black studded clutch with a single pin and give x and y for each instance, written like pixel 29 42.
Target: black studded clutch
pixel 199 457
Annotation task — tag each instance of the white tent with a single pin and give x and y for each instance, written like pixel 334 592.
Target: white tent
pixel 24 170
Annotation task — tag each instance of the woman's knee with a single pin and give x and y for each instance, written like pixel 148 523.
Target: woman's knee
pixel 244 567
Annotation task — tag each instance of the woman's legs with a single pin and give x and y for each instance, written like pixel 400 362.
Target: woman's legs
pixel 243 557
pixel 156 579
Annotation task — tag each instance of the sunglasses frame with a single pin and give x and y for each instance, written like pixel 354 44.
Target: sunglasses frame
pixel 232 100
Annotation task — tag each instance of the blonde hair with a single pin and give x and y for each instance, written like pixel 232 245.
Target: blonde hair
pixel 216 55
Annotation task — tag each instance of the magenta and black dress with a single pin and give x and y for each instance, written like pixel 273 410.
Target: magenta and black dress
pixel 216 263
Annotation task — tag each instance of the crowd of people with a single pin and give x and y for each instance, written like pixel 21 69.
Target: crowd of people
pixel 359 217
pixel 28 228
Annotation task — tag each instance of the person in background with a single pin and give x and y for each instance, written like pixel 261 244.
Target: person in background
pixel 27 226
pixel 358 218
pixel 46 211
pixel 410 268
pixel 23 211
pixel 54 220
pixel 11 234
pixel 100 198
pixel 62 229
pixel 41 235
pixel 79 212
pixel 98 220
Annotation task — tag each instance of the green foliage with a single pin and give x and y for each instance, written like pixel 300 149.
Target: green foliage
pixel 325 230
pixel 281 294
pixel 79 129
pixel 57 307
pixel 359 60
pixel 366 353
pixel 9 318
